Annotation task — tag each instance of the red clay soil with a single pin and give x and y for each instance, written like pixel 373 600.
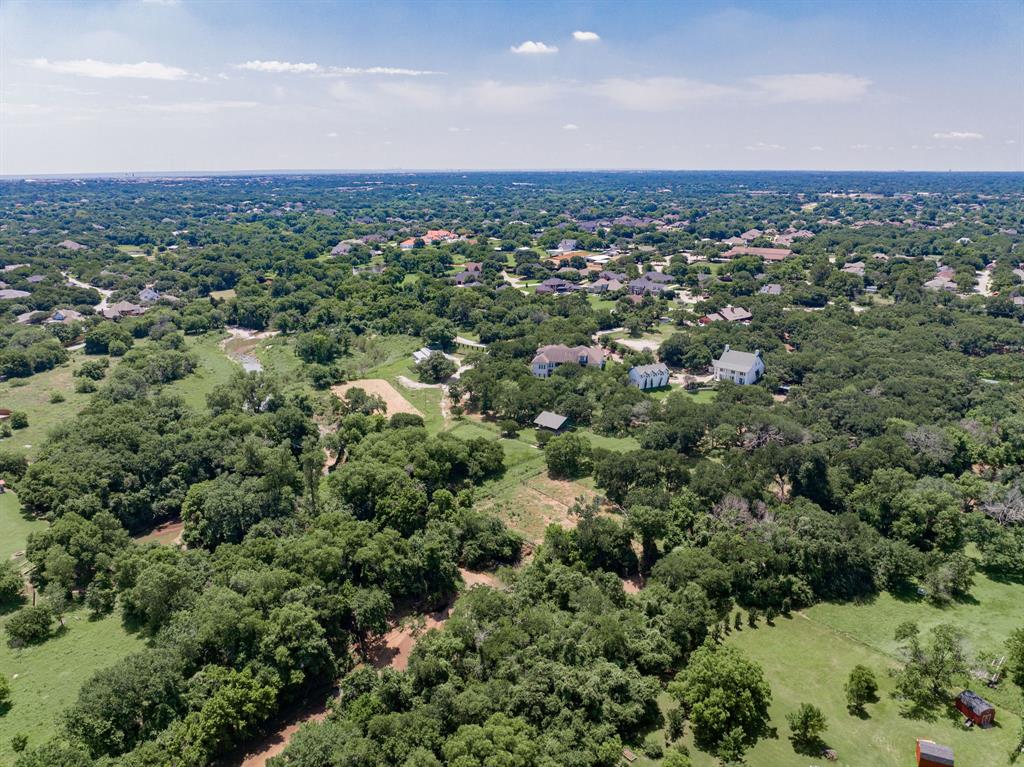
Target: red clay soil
pixel 632 584
pixel 389 651
pixel 259 751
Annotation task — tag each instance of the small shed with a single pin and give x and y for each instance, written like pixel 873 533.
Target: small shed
pixel 551 421
pixel 930 754
pixel 975 708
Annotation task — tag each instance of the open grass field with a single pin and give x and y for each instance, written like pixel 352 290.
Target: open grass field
pixel 45 678
pixel 808 657
pixel 14 527
pixel 33 396
pixel 213 369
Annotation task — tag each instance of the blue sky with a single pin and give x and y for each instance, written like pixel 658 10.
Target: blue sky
pixel 150 85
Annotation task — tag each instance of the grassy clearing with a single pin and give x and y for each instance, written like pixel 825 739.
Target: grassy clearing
pixel 14 527
pixel 808 657
pixel 45 678
pixel 213 369
pixel 33 396
pixel 223 295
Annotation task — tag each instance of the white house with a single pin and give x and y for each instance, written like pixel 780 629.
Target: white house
pixel 739 367
pixel 649 376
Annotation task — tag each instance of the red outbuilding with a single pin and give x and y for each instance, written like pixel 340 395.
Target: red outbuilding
pixel 975 708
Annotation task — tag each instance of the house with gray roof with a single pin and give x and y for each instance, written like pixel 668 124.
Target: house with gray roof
pixel 10 294
pixel 652 376
pixel 739 367
pixel 771 289
pixel 551 421
pixel 550 357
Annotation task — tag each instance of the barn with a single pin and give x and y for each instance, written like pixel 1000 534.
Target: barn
pixel 975 708
pixel 931 754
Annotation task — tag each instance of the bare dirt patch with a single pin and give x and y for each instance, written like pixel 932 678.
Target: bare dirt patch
pixel 167 534
pixel 538 502
pixel 395 402
pixel 259 751
pixel 394 648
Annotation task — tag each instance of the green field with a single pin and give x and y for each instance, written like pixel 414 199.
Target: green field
pixel 33 396
pixel 808 657
pixel 45 678
pixel 14 527
pixel 213 368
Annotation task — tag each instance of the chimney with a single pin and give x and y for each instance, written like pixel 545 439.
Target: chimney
pixel 725 349
pixel 757 352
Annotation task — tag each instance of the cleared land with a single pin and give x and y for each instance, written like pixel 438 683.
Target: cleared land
pixel 45 678
pixel 808 657
pixel 32 395
pixel 395 402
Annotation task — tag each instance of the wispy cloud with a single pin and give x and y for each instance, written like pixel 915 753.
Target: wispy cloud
pixel 199 107
pixel 531 48
pixel 161 2
pixel 144 70
pixel 277 67
pixel 585 37
pixel 570 126
pixel 817 148
pixel 657 94
pixel 507 97
pixel 958 135
pixel 311 67
pixel 822 87
pixel 761 146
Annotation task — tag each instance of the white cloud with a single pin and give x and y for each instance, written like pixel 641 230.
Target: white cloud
pixel 532 48
pixel 199 107
pixel 1011 141
pixel 761 146
pixel 859 147
pixel 585 37
pixel 144 70
pixel 570 126
pixel 958 135
pixel 828 87
pixel 332 134
pixel 311 67
pixel 161 2
pixel 817 148
pixel 658 94
pixel 342 71
pixel 276 67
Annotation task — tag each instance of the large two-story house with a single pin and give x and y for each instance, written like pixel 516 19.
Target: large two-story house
pixel 550 357
pixel 739 367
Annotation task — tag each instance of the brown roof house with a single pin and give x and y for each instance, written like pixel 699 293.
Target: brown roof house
pixel 766 254
pixel 550 357
pixel 931 754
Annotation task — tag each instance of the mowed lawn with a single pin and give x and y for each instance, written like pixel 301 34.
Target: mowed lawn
pixel 32 395
pixel 808 657
pixel 45 678
pixel 14 527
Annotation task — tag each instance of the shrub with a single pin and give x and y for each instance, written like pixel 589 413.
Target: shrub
pixel 29 625
pixel 56 398
pixel 19 419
